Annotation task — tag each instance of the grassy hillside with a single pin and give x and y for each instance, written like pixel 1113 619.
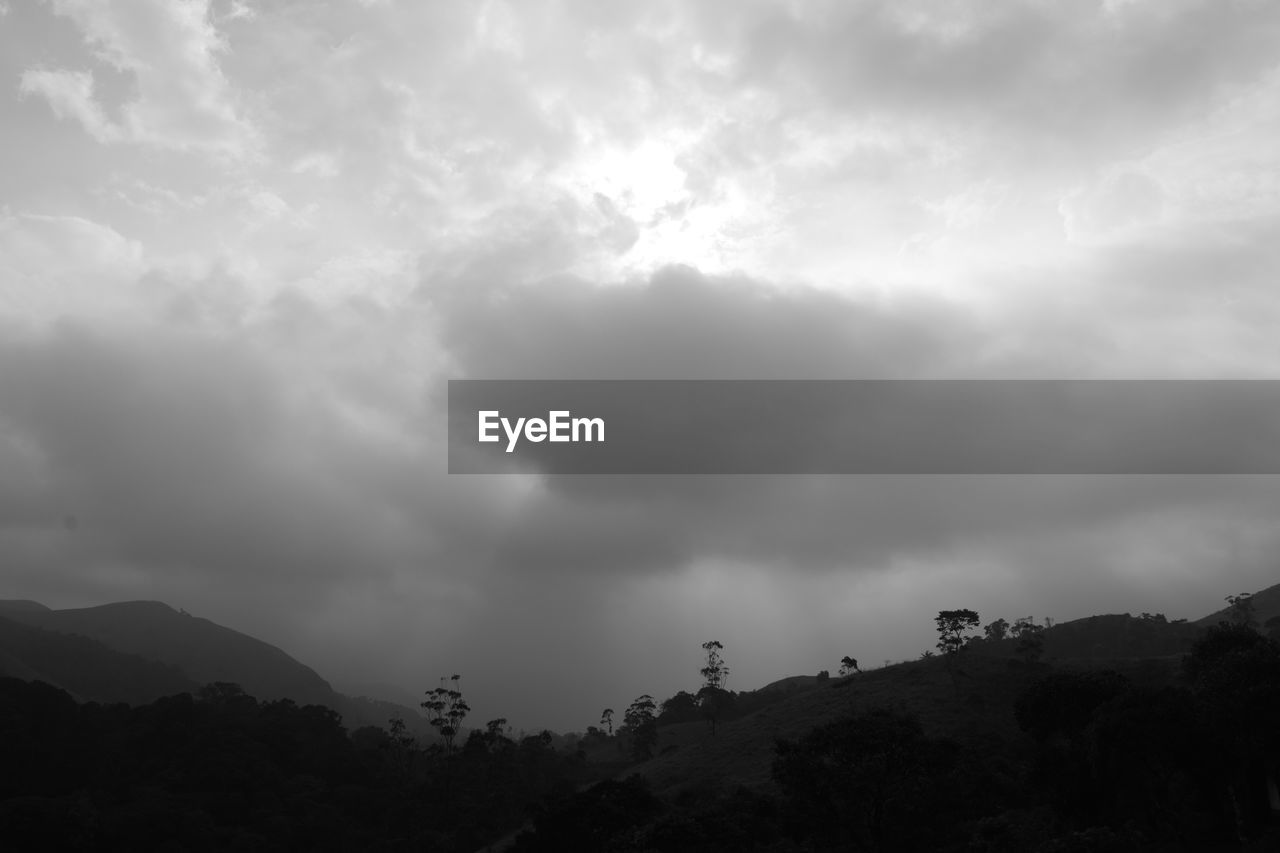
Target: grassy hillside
pixel 1266 605
pixel 975 705
pixel 1105 638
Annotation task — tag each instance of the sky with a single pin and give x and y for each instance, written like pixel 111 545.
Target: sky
pixel 244 245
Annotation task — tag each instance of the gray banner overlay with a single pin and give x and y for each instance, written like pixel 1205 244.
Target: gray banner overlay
pixel 864 427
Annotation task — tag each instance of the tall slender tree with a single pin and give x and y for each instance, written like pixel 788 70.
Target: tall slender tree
pixel 712 697
pixel 953 637
pixel 447 709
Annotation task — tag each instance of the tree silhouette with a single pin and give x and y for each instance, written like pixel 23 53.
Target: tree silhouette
pixel 997 630
pixel 848 665
pixel 188 774
pixel 401 744
pixel 1241 612
pixel 716 672
pixel 682 707
pixel 606 719
pixel 1030 637
pixel 223 693
pixel 642 727
pixel 712 696
pixel 952 625
pixel 447 710
pixel 952 638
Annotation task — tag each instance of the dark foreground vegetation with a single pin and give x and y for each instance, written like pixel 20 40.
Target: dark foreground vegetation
pixel 964 751
pixel 222 771
pixel 1182 757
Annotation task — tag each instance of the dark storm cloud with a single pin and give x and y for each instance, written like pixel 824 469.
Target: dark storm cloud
pixel 219 457
pixel 621 525
pixel 681 324
pixel 228 469
pixel 189 453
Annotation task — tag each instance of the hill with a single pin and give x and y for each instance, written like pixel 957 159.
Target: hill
pixel 975 708
pixel 1119 637
pixel 1266 605
pixel 1146 648
pixel 788 685
pixel 21 605
pixel 1110 637
pixel 203 650
pixel 85 668
pixel 742 750
pixel 147 646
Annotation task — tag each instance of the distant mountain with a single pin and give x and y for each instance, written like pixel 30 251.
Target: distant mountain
pixel 789 684
pixel 205 651
pixel 184 652
pixel 21 605
pixel 85 668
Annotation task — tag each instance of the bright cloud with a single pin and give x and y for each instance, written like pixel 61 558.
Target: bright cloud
pixel 182 100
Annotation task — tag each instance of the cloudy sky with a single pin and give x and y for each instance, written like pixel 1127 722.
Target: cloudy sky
pixel 244 244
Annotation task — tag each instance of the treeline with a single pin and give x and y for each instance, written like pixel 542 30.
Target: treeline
pixel 220 770
pixel 1104 765
pixel 713 703
pixel 1188 761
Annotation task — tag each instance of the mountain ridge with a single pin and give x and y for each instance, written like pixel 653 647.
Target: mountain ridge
pixel 197 651
pixel 132 637
pixel 204 650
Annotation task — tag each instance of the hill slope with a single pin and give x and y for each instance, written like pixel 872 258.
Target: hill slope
pixel 1111 637
pixel 203 650
pixel 1266 605
pixel 146 649
pixel 742 750
pixel 85 668
pixel 21 605
pixel 976 706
